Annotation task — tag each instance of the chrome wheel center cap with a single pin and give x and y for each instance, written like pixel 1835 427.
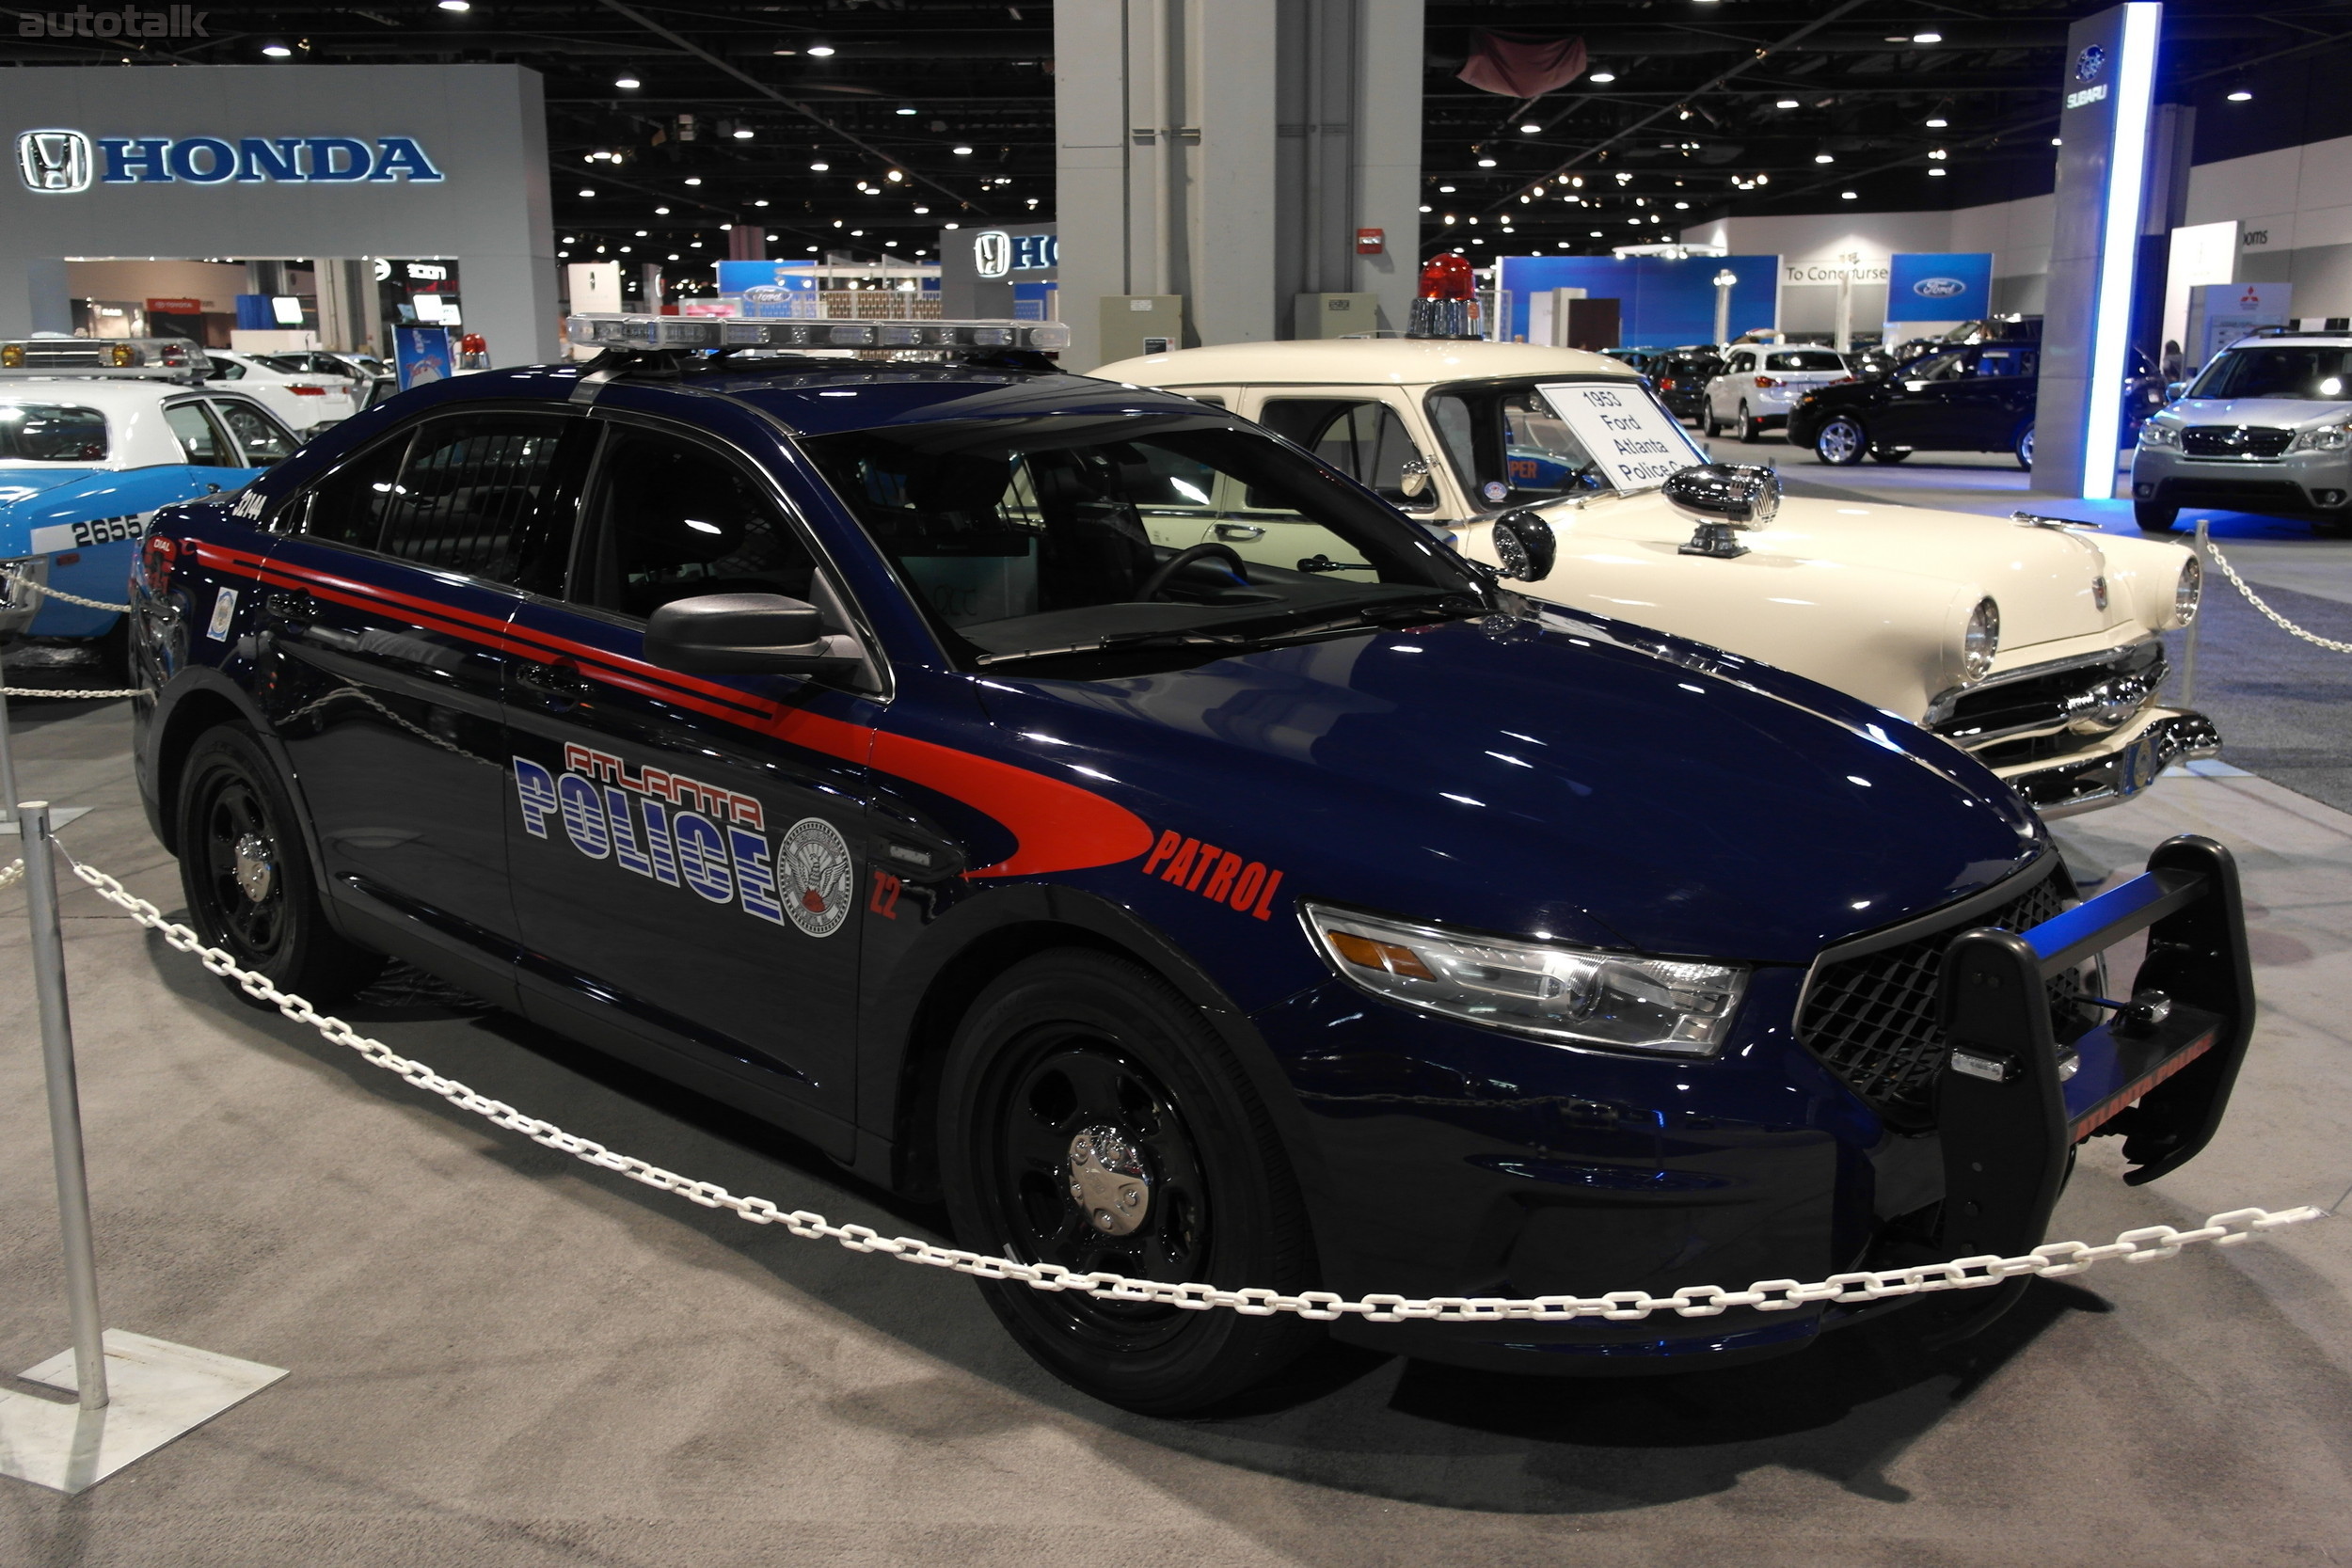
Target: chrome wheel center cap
pixel 1108 1181
pixel 254 872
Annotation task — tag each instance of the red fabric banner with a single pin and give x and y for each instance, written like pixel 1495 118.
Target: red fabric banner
pixel 1514 65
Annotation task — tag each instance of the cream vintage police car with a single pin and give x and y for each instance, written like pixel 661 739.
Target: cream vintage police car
pixel 2031 644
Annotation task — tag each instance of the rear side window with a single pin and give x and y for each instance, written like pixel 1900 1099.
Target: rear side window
pixel 2008 361
pixel 474 494
pixel 51 433
pixel 199 437
pixel 350 505
pixel 1362 437
pixel 264 440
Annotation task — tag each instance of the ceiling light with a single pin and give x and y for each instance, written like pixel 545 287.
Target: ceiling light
pixel 1850 195
pixel 1938 154
pixel 276 51
pixel 1531 128
pixel 627 79
pixel 2241 96
pixel 1425 209
pixel 906 108
pixel 585 191
pixel 1445 190
pixel 1937 122
pixel 641 233
pixel 922 210
pixel 457 5
pixel 812 250
pixel 951 226
pixel 2057 141
pixel 759 204
pixel 821 167
pixel 1927 38
pixel 694 180
pixel 821 51
pixel 787 51
pixel 1603 77
pixel 1486 162
pixel 661 211
pixel 895 176
pixel 1785 103
pixel 1823 158
pixel 674 254
pixel 742 132
pixel 960 151
pixel 1597 233
pixel 1932 173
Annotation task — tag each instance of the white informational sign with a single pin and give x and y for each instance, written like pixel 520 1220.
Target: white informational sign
pixel 1636 442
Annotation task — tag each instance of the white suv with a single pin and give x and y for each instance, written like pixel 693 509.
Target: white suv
pixel 1761 382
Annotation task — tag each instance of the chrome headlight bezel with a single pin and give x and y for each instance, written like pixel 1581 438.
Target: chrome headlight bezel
pixel 1980 641
pixel 2156 434
pixel 1560 995
pixel 2326 438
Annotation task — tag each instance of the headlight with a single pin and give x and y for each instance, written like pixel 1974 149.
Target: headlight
pixel 1982 643
pixel 1556 993
pixel 2189 591
pixel 2326 438
pixel 2155 434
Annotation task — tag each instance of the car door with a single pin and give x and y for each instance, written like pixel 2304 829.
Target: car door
pixel 384 609
pixel 686 851
pixel 2002 392
pixel 1916 408
pixel 1722 392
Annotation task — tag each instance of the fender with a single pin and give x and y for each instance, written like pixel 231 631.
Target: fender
pixel 890 1033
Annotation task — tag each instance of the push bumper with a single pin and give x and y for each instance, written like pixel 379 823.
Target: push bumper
pixel 2117 766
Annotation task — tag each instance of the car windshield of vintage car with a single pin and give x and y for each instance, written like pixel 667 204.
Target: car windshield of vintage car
pixel 1520 444
pixel 51 433
pixel 1064 533
pixel 2311 375
pixel 1804 360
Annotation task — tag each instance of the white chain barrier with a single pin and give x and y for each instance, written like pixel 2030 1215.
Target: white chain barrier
pixel 10 872
pixel 2052 1260
pixel 69 696
pixel 2276 619
pixel 10 581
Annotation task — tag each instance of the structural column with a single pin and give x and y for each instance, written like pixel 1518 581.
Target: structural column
pixel 1218 156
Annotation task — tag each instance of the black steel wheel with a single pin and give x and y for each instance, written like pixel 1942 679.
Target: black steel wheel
pixel 247 874
pixel 1092 1118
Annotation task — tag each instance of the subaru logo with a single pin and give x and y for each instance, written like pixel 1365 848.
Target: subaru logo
pixel 1939 288
pixel 53 163
pixel 2091 61
pixel 991 253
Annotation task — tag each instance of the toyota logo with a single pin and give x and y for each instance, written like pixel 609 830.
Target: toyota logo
pixel 2091 61
pixel 991 253
pixel 53 163
pixel 1939 288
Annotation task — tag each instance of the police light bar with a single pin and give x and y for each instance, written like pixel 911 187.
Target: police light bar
pixel 161 357
pixel 712 332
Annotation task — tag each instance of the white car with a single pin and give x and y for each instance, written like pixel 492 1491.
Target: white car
pixel 301 399
pixel 1761 382
pixel 2030 644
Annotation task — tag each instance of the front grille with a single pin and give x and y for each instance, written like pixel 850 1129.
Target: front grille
pixel 2235 440
pixel 2105 692
pixel 1872 1018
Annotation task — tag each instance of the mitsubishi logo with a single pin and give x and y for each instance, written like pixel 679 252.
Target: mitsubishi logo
pixel 53 163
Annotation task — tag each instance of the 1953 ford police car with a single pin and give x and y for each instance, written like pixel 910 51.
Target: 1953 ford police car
pixel 94 435
pixel 834 737
pixel 2029 643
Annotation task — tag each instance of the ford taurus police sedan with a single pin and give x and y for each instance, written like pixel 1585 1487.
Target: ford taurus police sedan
pixel 831 735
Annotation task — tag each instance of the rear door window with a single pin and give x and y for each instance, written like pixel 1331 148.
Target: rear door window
pixel 52 433
pixel 490 495
pixel 199 437
pixel 262 439
pixel 1362 437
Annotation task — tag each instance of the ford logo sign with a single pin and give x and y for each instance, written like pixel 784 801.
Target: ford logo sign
pixel 1939 288
pixel 2091 61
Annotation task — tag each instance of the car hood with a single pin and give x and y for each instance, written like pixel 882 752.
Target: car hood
pixel 1583 779
pixel 2277 413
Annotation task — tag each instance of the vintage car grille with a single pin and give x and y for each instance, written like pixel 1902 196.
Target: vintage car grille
pixel 1871 1016
pixel 2235 440
pixel 2095 696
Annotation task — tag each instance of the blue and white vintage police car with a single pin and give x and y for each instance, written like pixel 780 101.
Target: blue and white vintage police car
pixel 828 735
pixel 94 435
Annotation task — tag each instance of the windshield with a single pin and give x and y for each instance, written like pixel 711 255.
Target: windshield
pixel 51 433
pixel 1076 533
pixel 2314 374
pixel 1520 444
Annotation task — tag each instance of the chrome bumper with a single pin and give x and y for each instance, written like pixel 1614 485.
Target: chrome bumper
pixel 18 603
pixel 2124 764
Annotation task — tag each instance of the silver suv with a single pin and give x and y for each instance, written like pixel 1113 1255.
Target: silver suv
pixel 2265 428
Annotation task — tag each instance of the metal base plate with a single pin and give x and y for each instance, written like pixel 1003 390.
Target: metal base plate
pixel 158 1391
pixel 59 817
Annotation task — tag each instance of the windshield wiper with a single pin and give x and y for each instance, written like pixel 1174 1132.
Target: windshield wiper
pixel 1264 630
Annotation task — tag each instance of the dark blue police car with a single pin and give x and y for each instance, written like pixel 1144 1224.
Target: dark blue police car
pixel 845 738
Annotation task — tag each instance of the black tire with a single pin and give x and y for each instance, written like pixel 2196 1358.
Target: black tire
pixel 1841 441
pixel 1071 1041
pixel 1880 454
pixel 1745 428
pixel 247 876
pixel 2021 445
pixel 1708 426
pixel 2155 518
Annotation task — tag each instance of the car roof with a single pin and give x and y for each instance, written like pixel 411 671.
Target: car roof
pixel 1417 361
pixel 111 394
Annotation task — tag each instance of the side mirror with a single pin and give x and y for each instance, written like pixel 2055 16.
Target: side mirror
pixel 1525 545
pixel 744 634
pixel 1721 498
pixel 1413 477
pixel 2173 390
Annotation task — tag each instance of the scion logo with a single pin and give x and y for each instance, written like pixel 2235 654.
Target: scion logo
pixel 54 162
pixel 1939 288
pixel 2091 61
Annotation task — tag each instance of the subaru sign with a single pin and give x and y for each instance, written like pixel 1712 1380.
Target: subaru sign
pixel 1941 287
pixel 57 162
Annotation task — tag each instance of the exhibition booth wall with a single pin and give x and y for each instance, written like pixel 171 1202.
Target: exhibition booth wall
pixel 259 162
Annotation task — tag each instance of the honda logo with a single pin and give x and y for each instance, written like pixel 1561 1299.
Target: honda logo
pixel 53 163
pixel 991 253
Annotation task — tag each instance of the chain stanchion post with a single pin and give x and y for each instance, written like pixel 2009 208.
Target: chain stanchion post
pixel 2188 654
pixel 65 1106
pixel 8 759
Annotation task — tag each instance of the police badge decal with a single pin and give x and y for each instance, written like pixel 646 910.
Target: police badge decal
pixel 813 876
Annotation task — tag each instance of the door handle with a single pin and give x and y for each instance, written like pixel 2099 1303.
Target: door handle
pixel 1238 533
pixel 560 680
